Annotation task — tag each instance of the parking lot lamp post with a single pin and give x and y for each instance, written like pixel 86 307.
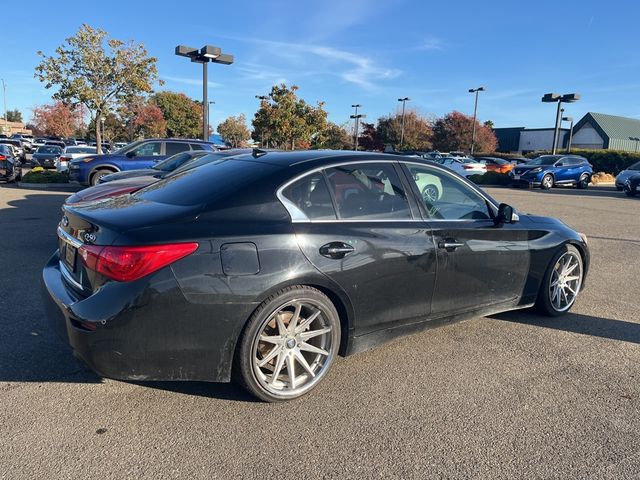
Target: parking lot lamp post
pixel 206 54
pixel 209 103
pixel 4 98
pixel 102 120
pixel 356 118
pixel 404 101
pixel 559 99
pixel 569 119
pixel 475 112
pixel 262 98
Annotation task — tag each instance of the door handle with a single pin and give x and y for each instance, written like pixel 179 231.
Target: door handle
pixel 449 245
pixel 336 250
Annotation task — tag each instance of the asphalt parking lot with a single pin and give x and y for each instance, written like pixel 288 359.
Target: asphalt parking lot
pixel 513 396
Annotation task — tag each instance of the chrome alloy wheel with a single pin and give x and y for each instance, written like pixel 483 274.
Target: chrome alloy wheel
pixel 294 348
pixel 566 278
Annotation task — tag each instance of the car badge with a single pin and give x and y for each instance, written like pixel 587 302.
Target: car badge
pixel 89 237
pixel 65 221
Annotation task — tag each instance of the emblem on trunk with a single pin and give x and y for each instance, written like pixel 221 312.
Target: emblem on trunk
pixel 89 237
pixel 65 221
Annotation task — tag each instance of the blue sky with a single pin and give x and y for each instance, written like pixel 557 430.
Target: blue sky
pixel 368 52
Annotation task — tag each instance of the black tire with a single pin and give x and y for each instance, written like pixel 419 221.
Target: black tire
pixel 430 193
pixel 628 192
pixel 583 181
pixel 547 182
pixel 244 371
pixel 543 302
pixel 97 175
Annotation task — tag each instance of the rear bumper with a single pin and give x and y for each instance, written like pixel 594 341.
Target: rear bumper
pixel 144 330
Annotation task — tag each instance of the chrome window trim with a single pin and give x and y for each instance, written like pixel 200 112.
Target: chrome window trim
pixel 298 216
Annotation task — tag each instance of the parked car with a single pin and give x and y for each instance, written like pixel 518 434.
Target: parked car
pixel 56 143
pixel 10 165
pixel 71 153
pixel 38 142
pixel 26 140
pixel 268 265
pixel 129 181
pixel 119 145
pixel 622 177
pixel 547 171
pixel 495 164
pixel 137 155
pixel 46 156
pixel 18 147
pixel 463 166
pixel 632 185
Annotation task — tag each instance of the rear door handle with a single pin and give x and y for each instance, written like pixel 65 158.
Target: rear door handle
pixel 449 245
pixel 336 250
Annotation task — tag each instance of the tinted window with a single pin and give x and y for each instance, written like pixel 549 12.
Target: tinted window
pixel 49 149
pixel 311 195
pixel 196 146
pixel 544 160
pixel 635 166
pixel 368 192
pixel 148 149
pixel 171 148
pixel 447 198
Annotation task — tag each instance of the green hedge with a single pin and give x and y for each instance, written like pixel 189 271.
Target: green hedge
pixel 490 178
pixel 608 161
pixel 46 176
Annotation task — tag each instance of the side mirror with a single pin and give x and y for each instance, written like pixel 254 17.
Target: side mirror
pixel 130 154
pixel 506 214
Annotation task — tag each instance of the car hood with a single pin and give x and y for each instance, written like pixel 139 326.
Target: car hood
pixel 624 174
pixel 130 174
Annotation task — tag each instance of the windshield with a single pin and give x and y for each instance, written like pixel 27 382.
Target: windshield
pixel 171 163
pixel 544 160
pixel 49 149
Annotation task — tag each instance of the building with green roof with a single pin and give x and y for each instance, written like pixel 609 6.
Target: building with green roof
pixel 602 131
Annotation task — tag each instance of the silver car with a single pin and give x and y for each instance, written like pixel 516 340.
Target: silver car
pixel 624 175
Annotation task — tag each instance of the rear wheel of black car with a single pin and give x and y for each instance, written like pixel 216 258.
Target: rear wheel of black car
pixel 562 282
pixel 583 181
pixel 628 192
pixel 547 182
pixel 288 345
pixel 95 177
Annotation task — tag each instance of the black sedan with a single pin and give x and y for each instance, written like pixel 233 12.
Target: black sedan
pixel 632 185
pixel 264 266
pixel 46 156
pixel 10 166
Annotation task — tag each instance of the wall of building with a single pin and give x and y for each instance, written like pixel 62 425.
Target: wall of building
pixel 539 139
pixel 9 128
pixel 587 137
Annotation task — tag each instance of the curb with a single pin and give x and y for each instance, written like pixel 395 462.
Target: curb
pixel 49 186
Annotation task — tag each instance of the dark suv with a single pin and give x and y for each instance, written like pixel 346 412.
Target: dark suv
pixel 141 154
pixel 547 171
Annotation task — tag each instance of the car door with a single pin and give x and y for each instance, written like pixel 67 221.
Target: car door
pixel 144 155
pixel 355 223
pixel 479 263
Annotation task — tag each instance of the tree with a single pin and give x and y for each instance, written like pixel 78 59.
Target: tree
pixel 417 131
pixel 369 139
pixel 183 115
pixel 141 117
pixel 97 72
pixel 234 131
pixel 14 116
pixel 57 119
pixel 488 124
pixel 454 130
pixel 334 137
pixel 286 121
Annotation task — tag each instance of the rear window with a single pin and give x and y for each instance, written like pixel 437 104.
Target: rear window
pixel 208 183
pixel 172 148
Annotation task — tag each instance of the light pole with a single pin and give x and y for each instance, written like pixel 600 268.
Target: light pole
pixel 559 99
pixel 475 112
pixel 403 100
pixel 206 54
pixel 569 119
pixel 102 120
pixel 209 103
pixel 356 117
pixel 262 98
pixel 4 97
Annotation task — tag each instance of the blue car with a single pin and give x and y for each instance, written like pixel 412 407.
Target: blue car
pixel 547 171
pixel 141 154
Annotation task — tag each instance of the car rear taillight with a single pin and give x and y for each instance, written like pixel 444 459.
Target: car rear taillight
pixel 65 159
pixel 125 264
pixel 468 167
pixel 2 157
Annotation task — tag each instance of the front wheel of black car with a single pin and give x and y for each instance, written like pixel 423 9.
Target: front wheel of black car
pixel 288 345
pixel 562 282
pixel 583 181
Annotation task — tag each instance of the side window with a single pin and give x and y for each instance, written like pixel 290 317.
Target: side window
pixel 447 198
pixel 368 192
pixel 196 146
pixel 311 196
pixel 171 148
pixel 148 149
